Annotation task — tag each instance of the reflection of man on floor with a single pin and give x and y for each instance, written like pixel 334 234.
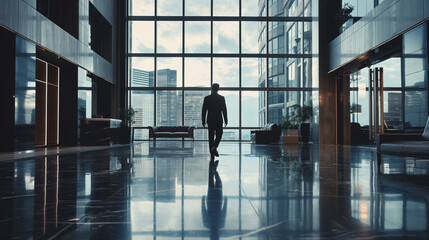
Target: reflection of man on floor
pixel 214 107
pixel 213 213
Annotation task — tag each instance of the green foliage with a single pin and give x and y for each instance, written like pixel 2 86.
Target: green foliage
pixel 289 122
pixel 127 116
pixel 345 13
pixel 298 116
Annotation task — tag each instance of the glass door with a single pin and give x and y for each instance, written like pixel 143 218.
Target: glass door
pixel 376 100
pixel 47 113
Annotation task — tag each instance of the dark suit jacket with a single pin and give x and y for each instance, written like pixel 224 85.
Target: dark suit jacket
pixel 215 105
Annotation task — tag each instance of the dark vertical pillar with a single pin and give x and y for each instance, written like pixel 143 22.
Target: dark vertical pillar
pixel 7 90
pixel 104 98
pixel 25 94
pixel 119 91
pixel 68 103
pixel 328 30
pixel 94 95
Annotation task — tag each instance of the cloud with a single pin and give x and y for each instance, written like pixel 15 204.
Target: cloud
pixel 197 37
pixel 250 34
pixel 143 63
pixel 142 7
pixel 169 37
pixel 197 7
pixel 225 7
pixel 231 100
pixel 225 37
pixel 197 72
pixel 225 71
pixel 142 37
pixel 249 8
pixel 250 108
pixel 250 72
pixel 169 7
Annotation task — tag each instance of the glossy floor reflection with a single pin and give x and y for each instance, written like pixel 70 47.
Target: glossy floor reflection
pixel 171 190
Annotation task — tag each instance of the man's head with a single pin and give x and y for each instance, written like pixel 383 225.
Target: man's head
pixel 215 88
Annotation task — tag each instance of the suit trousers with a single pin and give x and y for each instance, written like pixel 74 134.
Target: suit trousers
pixel 215 130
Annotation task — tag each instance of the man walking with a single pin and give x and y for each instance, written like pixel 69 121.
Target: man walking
pixel 214 107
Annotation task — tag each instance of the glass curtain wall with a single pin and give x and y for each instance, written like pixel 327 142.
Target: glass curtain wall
pixel 261 52
pixel 405 87
pixel 360 9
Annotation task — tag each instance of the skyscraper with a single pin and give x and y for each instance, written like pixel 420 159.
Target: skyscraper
pixel 168 103
pixel 193 106
pixel 142 101
pixel 141 78
pixel 291 37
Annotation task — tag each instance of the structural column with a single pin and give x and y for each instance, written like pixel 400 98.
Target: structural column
pixel 328 30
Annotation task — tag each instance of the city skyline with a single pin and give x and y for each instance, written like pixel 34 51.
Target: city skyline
pixel 169 104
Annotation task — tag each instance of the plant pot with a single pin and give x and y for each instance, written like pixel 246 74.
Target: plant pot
pixel 304 132
pixel 124 135
pixel 291 136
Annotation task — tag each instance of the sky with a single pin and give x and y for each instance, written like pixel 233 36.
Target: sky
pixel 194 7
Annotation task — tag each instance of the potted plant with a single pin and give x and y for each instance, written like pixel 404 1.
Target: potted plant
pixel 344 16
pixel 290 129
pixel 345 13
pixel 302 115
pixel 296 123
pixel 127 117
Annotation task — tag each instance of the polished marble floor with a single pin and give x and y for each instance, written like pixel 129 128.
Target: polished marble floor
pixel 172 190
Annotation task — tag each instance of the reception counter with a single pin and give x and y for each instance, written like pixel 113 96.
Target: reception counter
pixel 99 131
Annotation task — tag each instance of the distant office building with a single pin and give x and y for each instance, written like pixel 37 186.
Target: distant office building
pixel 142 101
pixel 286 38
pixel 393 116
pixel 193 106
pixel 140 78
pixel 168 103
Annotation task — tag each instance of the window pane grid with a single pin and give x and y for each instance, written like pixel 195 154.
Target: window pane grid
pixel 238 44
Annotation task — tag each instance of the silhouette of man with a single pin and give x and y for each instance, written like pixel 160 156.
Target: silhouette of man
pixel 214 207
pixel 214 107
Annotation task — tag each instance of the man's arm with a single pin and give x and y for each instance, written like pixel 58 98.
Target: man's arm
pixel 225 114
pixel 204 112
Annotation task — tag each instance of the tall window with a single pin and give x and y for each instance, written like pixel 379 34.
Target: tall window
pixel 178 48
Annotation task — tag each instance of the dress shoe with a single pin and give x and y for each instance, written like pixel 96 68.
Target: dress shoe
pixel 214 152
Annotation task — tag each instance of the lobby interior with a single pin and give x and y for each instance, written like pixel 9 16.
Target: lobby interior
pixel 359 65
